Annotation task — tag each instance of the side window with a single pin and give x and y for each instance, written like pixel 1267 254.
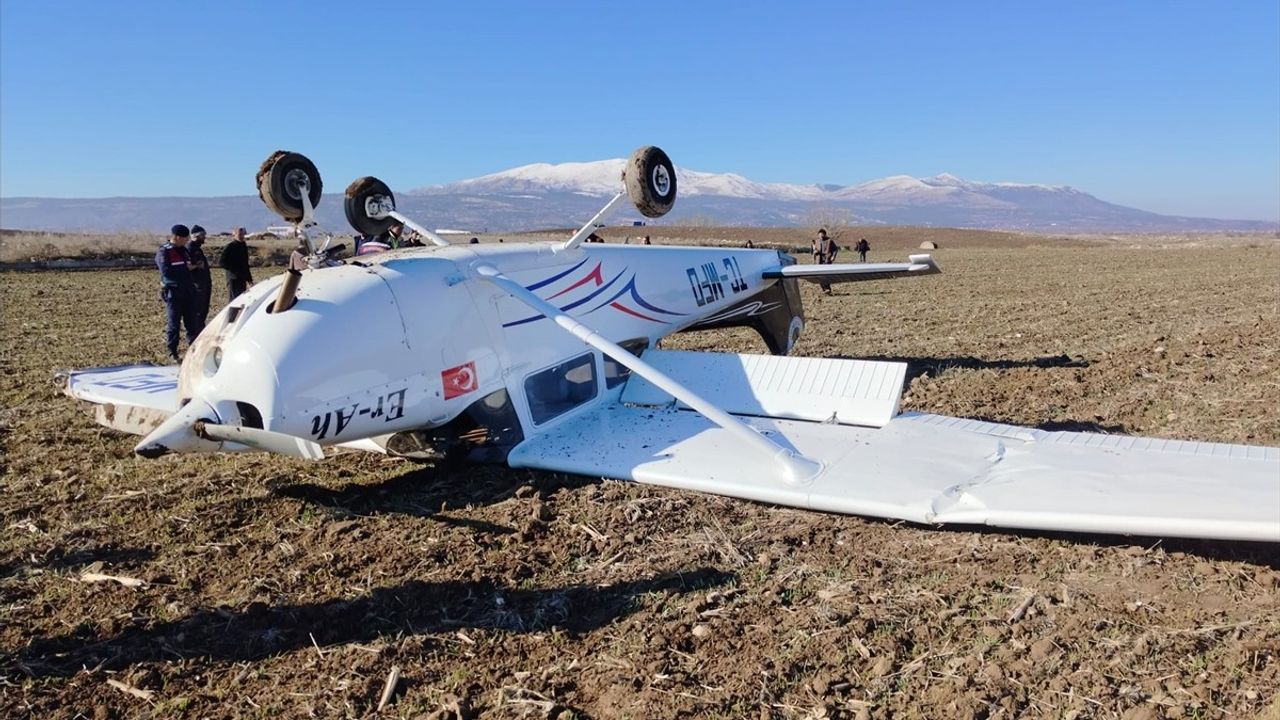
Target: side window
pixel 559 389
pixel 615 373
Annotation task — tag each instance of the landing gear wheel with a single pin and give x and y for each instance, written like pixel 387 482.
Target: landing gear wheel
pixel 651 181
pixel 280 182
pixel 364 195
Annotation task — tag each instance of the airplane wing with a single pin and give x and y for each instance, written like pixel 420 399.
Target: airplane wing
pixel 916 467
pixel 853 272
pixel 134 399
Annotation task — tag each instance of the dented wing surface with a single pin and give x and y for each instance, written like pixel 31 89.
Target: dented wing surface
pixel 934 469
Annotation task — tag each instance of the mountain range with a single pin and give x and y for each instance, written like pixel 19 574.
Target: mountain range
pixel 545 196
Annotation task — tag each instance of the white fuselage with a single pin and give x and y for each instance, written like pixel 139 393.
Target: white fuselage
pixel 409 339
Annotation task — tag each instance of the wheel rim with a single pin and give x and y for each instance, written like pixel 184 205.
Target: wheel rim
pixel 294 181
pixel 375 204
pixel 661 181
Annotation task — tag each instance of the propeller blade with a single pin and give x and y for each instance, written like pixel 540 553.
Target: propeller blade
pixel 264 440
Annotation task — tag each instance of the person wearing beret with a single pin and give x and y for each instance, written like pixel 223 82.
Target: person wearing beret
pixel 177 289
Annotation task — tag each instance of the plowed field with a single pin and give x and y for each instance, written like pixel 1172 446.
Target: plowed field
pixel 277 588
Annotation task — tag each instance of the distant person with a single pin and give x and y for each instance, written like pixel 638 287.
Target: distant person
pixel 235 264
pixel 833 250
pixel 646 240
pixel 863 247
pixel 821 247
pixel 818 246
pixel 750 245
pixel 391 236
pixel 200 273
pixel 411 240
pixel 177 289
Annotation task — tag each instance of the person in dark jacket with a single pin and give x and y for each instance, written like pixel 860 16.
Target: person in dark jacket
pixel 200 274
pixel 177 289
pixel 821 247
pixel 863 247
pixel 391 237
pixel 235 264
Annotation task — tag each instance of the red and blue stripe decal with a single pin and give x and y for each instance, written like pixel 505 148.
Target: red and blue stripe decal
pixel 621 300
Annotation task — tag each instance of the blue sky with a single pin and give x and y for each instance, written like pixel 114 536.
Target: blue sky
pixel 1168 106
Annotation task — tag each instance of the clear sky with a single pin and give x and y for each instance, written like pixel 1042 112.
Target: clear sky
pixel 1168 106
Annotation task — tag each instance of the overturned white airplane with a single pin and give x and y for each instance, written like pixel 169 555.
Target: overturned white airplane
pixel 544 355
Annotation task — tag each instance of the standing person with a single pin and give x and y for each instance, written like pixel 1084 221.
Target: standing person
pixel 863 247
pixel 818 246
pixel 647 241
pixel 235 264
pixel 200 274
pixel 177 289
pixel 822 254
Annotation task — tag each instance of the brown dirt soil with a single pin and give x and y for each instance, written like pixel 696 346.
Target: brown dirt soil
pixel 277 588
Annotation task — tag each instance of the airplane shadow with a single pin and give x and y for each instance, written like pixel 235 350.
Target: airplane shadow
pixel 59 559
pixel 415 607
pixel 1254 552
pixel 918 366
pixel 423 490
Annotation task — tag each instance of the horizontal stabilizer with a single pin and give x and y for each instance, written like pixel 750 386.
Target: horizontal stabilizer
pixel 147 386
pixel 857 272
pixel 852 392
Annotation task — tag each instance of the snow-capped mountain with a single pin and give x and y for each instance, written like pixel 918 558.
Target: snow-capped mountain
pixel 544 195
pixel 601 178
pixel 869 199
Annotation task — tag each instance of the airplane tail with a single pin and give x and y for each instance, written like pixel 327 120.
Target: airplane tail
pixel 776 312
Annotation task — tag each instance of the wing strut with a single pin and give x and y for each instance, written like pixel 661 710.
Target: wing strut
pixel 796 469
pixel 585 231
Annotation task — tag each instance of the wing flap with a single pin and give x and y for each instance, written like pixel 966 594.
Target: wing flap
pixel 931 469
pixel 857 392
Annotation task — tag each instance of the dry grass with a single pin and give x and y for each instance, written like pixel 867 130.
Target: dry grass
pixel 18 246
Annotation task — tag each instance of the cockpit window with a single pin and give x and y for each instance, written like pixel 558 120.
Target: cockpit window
pixel 615 373
pixel 558 389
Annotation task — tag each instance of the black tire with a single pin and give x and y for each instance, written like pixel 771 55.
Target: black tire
pixel 358 194
pixel 651 181
pixel 278 184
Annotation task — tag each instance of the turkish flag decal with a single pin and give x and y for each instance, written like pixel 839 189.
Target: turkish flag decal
pixel 459 380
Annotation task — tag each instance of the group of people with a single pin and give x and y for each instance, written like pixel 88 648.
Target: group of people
pixel 186 279
pixel 825 249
